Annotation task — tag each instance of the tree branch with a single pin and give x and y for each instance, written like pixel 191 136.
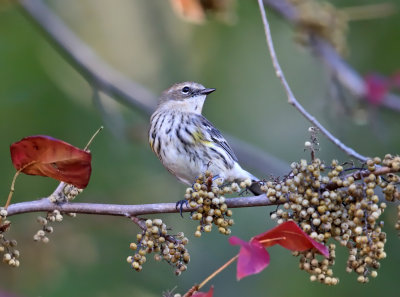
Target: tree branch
pixel 111 82
pixel 292 100
pixel 85 61
pixel 359 174
pixel 345 74
pixel 44 205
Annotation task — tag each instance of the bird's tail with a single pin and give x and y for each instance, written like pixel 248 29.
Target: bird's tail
pixel 255 188
pixel 256 184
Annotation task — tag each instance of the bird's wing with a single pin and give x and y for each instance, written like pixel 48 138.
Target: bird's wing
pixel 215 136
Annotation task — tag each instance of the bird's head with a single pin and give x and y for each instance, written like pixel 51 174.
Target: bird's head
pixel 185 96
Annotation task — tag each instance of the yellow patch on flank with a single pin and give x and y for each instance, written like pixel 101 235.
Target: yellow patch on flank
pixel 198 137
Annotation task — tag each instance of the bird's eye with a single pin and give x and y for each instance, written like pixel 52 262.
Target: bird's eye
pixel 185 90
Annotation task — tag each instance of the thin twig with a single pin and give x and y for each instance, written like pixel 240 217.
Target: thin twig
pixel 12 188
pixel 369 11
pixel 344 72
pixel 92 138
pixel 291 98
pixel 195 288
pixel 229 262
pixel 359 174
pixel 216 272
pixel 103 77
pixel 138 221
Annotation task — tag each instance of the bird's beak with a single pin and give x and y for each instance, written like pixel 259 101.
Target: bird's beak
pixel 206 91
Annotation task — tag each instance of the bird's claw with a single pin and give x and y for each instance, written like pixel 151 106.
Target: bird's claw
pixel 179 205
pixel 215 177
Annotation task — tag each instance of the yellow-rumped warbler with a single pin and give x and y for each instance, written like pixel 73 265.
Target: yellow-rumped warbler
pixel 186 143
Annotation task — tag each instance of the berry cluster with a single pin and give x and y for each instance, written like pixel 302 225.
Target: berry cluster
pixel 340 205
pixel 155 238
pixel 67 193
pixel 320 270
pixel 206 197
pixel 7 247
pixel 53 216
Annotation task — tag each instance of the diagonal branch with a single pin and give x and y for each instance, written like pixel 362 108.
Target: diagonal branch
pixel 85 61
pixel 291 98
pixel 108 80
pixel 345 74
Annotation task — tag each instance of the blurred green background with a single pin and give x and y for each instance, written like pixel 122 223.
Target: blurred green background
pixel 41 93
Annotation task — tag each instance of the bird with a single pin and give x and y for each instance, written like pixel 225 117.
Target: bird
pixel 188 144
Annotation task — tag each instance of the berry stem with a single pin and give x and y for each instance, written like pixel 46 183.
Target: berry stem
pixel 139 221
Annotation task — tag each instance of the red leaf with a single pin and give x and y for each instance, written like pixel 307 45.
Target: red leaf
pixel 253 257
pixel 377 88
pixel 47 156
pixel 202 294
pixel 290 236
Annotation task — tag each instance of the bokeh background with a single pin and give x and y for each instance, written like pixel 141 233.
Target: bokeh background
pixel 40 93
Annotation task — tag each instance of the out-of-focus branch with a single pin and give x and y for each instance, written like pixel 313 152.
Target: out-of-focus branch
pixel 292 99
pixel 344 73
pixel 85 60
pixel 106 79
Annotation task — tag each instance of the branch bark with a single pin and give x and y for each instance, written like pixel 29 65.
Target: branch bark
pixel 44 205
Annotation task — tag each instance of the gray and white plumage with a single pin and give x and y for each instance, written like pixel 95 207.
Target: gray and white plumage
pixel 186 142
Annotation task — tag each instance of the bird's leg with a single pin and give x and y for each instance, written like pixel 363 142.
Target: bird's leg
pixel 179 205
pixel 209 183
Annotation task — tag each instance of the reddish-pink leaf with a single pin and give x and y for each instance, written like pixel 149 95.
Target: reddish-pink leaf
pixel 377 88
pixel 290 236
pixel 205 294
pixel 47 156
pixel 253 257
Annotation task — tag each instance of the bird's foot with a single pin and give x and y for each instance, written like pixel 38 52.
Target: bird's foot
pixel 215 177
pixel 179 205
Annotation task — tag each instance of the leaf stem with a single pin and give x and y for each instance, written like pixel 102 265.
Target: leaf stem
pixel 12 189
pixel 92 138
